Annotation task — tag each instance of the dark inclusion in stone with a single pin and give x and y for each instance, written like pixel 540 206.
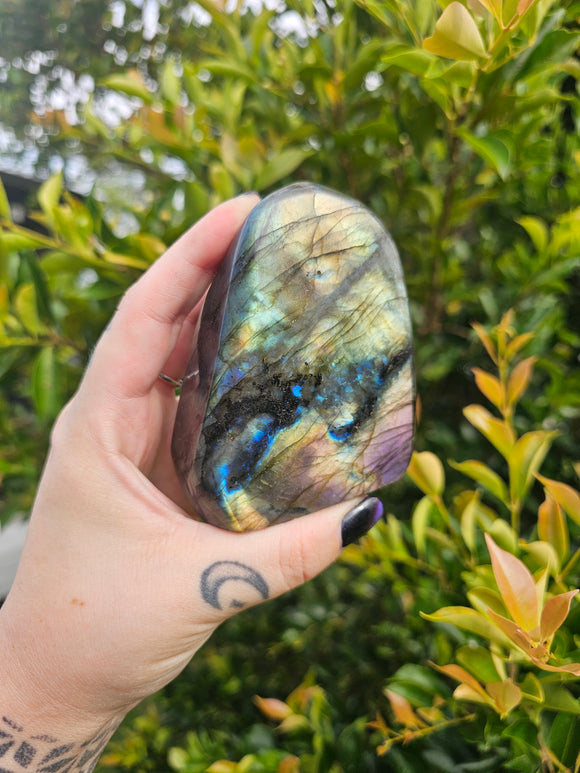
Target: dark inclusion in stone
pixel 300 392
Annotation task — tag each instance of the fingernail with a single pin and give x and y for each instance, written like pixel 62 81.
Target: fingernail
pixel 360 519
pixel 249 193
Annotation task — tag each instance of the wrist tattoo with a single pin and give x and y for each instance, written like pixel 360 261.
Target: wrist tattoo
pixel 230 584
pixel 24 753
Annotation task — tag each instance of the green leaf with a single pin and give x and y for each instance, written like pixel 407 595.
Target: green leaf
pixel 479 662
pixel 49 194
pixel 558 698
pixel 4 203
pixel 563 740
pixel 413 60
pixel 532 688
pixel 228 69
pixel 481 473
pixel 281 165
pixel 47 385
pixel 456 35
pixel 491 149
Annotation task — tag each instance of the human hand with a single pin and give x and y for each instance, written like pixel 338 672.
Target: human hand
pixel 117 587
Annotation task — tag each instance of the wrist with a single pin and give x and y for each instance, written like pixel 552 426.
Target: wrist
pixel 40 712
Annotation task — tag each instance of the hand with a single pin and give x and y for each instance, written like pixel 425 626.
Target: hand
pixel 117 587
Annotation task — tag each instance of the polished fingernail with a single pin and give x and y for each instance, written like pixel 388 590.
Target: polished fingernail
pixel 360 519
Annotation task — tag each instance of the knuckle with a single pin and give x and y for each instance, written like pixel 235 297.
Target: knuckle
pixel 294 563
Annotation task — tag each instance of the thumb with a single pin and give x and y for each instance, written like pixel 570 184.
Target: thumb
pixel 246 569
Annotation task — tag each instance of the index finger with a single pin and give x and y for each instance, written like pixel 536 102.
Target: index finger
pixel 129 357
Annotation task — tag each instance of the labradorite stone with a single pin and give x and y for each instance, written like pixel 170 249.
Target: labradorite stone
pixel 300 392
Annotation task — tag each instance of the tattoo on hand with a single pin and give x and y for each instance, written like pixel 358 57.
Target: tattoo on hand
pixel 230 584
pixel 22 753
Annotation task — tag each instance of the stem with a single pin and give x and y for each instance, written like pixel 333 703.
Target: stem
pixel 405 737
pixel 569 566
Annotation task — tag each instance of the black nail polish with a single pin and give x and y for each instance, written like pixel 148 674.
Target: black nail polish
pixel 360 519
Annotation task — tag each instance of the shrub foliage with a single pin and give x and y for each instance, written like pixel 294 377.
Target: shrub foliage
pixel 449 638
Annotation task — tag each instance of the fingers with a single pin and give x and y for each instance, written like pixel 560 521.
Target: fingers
pixel 147 325
pixel 241 570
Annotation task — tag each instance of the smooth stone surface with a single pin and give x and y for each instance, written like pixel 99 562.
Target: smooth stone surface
pixel 300 393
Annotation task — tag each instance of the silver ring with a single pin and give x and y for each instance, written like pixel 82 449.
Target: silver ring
pixel 174 383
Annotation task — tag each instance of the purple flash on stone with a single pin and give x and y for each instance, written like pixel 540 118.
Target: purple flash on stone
pixel 300 392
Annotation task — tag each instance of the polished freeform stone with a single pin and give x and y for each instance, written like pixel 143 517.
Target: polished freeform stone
pixel 299 393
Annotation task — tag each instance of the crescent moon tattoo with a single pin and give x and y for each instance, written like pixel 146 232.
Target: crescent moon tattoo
pixel 222 572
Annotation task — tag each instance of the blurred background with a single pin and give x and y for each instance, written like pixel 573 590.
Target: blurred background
pixel 121 123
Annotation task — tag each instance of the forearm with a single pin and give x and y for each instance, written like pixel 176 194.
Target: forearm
pixel 27 749
pixel 40 730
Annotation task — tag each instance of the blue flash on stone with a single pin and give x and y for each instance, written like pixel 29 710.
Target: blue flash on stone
pixel 306 390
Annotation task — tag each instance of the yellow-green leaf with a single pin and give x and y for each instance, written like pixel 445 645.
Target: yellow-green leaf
pixel 565 495
pixel 481 473
pixel 27 309
pixel 223 766
pixel 552 527
pixel 516 586
pixel 130 82
pixel 281 165
pixel 482 598
pixel 543 554
pixel 49 194
pixel 426 472
pixel 419 522
pixel 495 430
pixel 169 83
pixel 519 380
pixel 469 620
pixel 554 613
pixel 486 340
pixel 525 460
pixel 503 535
pixel 494 7
pixel 518 343
pixel 536 230
pixel 456 35
pixel 465 692
pixel 490 386
pixel 532 688
pixel 4 203
pixel 13 242
pixel 467 522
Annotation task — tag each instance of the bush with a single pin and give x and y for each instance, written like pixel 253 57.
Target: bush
pixel 459 130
